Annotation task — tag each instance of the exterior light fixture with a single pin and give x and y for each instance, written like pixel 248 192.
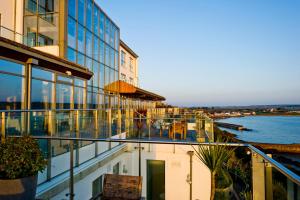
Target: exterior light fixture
pixel 69 73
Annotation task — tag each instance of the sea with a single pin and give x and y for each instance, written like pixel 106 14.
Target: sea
pixel 267 129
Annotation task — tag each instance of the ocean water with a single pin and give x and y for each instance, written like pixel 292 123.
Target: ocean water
pixel 267 129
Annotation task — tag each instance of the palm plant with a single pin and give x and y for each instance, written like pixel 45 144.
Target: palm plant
pixel 214 157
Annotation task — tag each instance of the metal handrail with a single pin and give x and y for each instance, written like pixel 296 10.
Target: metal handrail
pixel 288 173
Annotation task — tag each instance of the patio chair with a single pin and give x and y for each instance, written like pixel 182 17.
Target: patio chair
pixel 180 128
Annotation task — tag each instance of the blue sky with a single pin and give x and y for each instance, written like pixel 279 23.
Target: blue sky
pixel 214 52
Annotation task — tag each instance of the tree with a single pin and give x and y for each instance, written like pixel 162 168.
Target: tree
pixel 214 156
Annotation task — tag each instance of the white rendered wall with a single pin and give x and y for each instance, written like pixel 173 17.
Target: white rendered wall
pixel 54 49
pixel 177 169
pixel 126 69
pixel 12 18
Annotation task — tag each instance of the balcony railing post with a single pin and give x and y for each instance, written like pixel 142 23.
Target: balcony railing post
pixel 77 132
pixel 51 129
pixel 71 183
pixel 258 177
pixel 149 122
pixel 96 130
pixel 119 121
pixel 109 123
pixel 3 126
pixel 268 180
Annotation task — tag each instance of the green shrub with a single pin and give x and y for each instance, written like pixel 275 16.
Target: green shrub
pixel 20 157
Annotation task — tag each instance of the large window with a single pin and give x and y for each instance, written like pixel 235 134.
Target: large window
pixel 63 92
pixel 81 12
pixel 97 186
pixel 123 57
pixel 116 168
pixel 81 43
pixel 72 33
pixel 41 89
pixel 12 85
pixel 96 21
pixel 71 55
pixel 41 22
pixel 72 8
pixel 131 64
pixel 123 77
pixel 88 46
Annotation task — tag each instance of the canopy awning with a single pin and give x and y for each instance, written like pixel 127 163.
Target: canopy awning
pixel 128 90
pixel 17 51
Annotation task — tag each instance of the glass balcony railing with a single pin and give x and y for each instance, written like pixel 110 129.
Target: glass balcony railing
pixel 81 146
pixel 109 123
pixel 32 39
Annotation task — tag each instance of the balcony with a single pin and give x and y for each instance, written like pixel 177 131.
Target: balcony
pixel 83 145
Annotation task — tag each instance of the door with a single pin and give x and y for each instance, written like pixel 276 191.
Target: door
pixel 155 179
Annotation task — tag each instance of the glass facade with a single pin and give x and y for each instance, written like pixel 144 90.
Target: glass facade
pixel 93 41
pixel 41 22
pixel 12 75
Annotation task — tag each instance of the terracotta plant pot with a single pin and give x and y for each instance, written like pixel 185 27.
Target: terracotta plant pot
pixel 18 189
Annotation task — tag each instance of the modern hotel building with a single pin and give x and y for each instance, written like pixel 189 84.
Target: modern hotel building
pixel 68 79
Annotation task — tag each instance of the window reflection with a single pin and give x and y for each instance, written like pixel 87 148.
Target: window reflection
pixel 102 81
pixel 71 55
pixel 72 33
pixel 78 97
pixel 92 100
pixel 81 11
pixel 8 66
pixel 96 48
pixel 89 44
pixel 72 8
pixel 63 96
pixel 42 74
pixel 80 59
pixel 89 14
pixel 11 98
pixel 96 74
pixel 41 96
pixel 102 26
pixel 81 43
pixel 96 20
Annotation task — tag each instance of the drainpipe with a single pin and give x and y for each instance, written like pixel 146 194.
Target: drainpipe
pixel 190 181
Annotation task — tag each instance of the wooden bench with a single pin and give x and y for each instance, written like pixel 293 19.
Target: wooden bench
pixel 121 187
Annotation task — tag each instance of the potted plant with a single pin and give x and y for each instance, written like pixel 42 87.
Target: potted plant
pixel 20 161
pixel 214 157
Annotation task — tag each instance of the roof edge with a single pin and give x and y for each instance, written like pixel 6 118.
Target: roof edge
pixel 125 46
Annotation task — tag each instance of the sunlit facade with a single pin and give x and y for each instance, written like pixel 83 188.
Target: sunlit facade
pixel 68 80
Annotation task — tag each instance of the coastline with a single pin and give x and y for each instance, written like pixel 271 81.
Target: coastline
pixel 283 153
pixel 258 115
pixel 271 148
